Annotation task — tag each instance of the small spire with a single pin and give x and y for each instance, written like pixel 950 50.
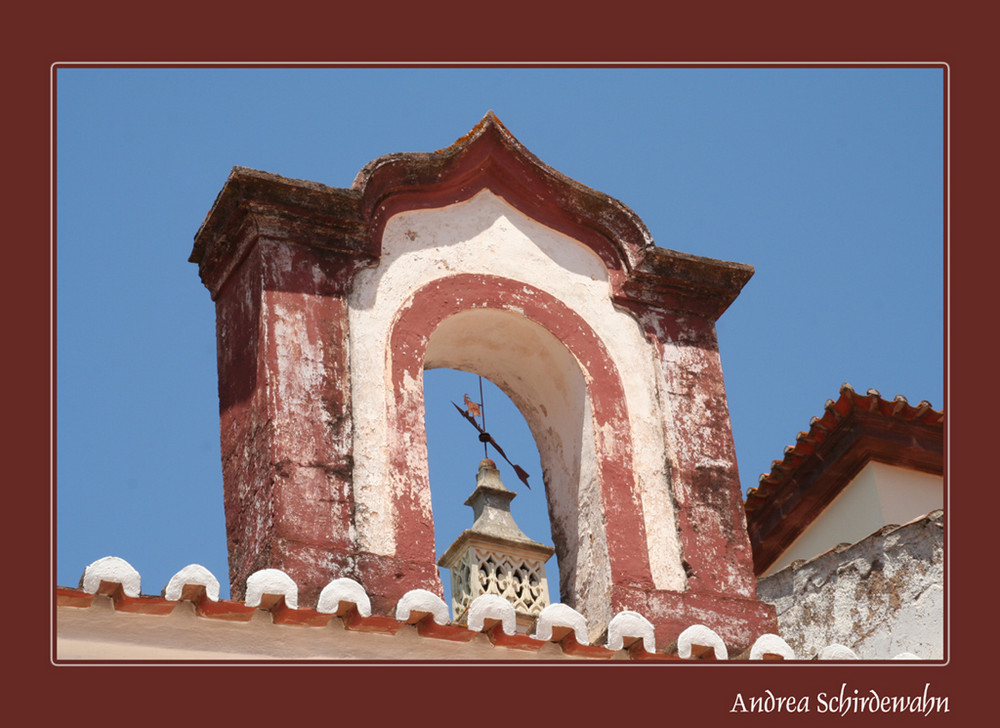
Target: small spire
pixel 490 503
pixel 495 556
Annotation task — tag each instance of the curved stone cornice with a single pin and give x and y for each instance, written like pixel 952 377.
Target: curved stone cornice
pixel 490 157
pixel 350 221
pixel 252 204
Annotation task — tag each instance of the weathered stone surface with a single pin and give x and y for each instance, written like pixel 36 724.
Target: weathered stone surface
pixel 879 597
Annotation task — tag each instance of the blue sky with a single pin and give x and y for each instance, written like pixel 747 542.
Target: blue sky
pixel 829 181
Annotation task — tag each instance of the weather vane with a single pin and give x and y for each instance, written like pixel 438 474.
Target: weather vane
pixel 476 409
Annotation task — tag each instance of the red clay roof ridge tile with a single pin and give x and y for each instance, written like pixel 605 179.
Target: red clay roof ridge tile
pixel 835 411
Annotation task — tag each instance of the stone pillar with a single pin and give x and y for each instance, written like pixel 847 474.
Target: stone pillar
pixel 678 317
pixel 279 285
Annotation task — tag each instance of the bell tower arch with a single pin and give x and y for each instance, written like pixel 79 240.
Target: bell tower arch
pixel 331 303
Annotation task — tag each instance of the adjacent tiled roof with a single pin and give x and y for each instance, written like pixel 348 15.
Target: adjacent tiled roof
pixel 853 430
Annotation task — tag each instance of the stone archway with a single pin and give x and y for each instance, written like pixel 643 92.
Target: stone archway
pixel 569 391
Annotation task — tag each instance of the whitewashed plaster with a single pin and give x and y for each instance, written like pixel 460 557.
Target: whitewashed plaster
pixel 111 569
pixel 421 600
pixel 702 636
pixel 485 235
pixel 494 607
pixel 633 625
pixel 192 574
pixel 344 590
pixel 561 615
pixel 271 581
pixel 301 361
pixel 546 384
pixel 771 644
pixel 836 652
pixel 879 597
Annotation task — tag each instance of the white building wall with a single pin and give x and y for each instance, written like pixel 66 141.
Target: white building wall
pixel 881 596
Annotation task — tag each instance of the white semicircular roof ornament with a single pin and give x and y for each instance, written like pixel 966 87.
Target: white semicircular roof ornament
pixel 421 600
pixel 837 652
pixel 113 570
pixel 561 615
pixel 630 624
pixel 344 590
pixel 271 581
pixel 771 644
pixel 192 574
pixel 492 606
pixel 699 634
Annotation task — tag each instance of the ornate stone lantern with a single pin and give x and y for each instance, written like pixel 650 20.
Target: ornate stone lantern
pixel 495 556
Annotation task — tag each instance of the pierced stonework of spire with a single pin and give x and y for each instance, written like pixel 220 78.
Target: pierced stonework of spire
pixel 495 556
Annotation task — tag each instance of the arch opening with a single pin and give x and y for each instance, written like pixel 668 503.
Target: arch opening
pixel 545 384
pixel 558 372
pixel 453 455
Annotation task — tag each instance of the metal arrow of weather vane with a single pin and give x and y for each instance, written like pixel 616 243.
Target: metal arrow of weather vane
pixel 471 412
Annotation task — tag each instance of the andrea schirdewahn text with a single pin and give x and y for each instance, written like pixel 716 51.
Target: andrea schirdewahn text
pixel 842 702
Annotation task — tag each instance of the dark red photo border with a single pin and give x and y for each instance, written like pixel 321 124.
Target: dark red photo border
pixel 745 32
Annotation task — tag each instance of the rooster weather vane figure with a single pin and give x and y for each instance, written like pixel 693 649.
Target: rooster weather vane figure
pixel 471 412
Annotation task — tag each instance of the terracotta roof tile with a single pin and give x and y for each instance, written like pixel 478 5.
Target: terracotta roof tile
pixel 819 428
